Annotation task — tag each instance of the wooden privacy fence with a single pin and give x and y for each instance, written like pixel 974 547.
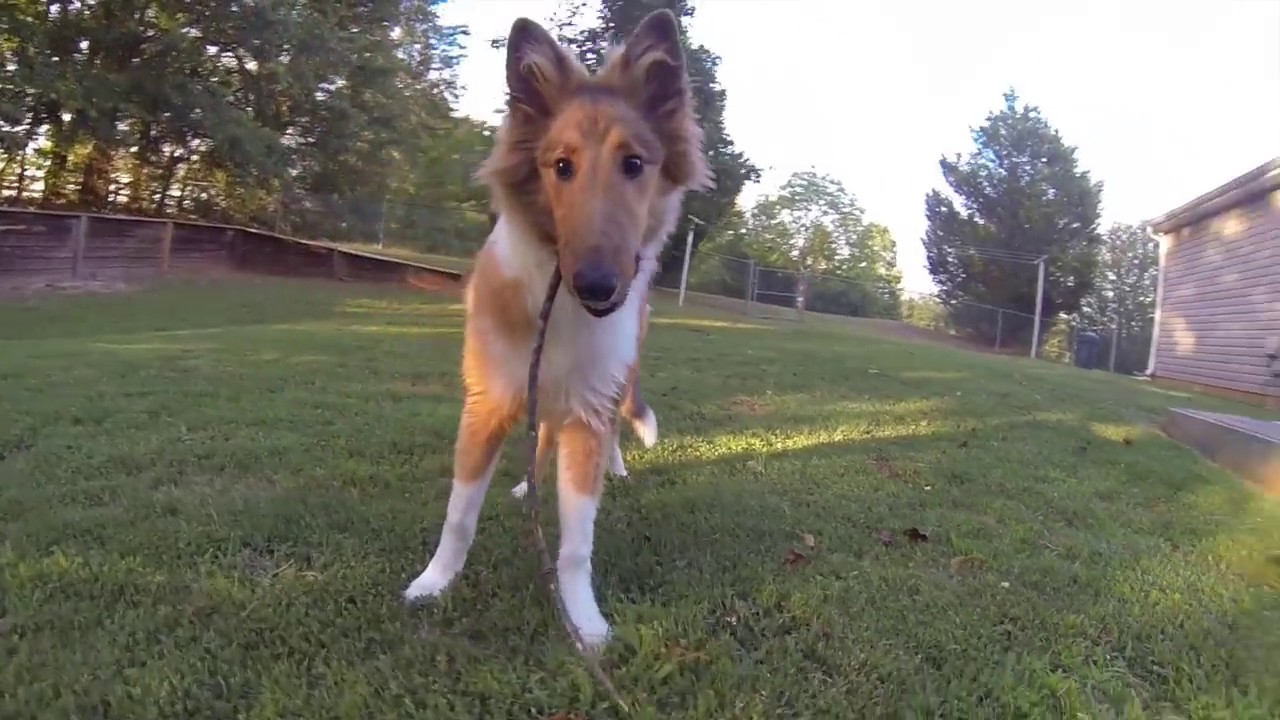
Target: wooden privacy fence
pixel 42 246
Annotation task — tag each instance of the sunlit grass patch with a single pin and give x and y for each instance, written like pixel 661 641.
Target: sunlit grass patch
pixel 212 496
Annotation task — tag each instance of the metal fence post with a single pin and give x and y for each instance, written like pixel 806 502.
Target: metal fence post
pixel 751 287
pixel 802 293
pixel 999 326
pixel 1115 343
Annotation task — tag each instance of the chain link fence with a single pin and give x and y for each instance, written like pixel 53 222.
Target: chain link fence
pixel 756 290
pixel 449 235
pixel 1114 348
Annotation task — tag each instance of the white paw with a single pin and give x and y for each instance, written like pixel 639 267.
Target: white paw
pixel 519 491
pixel 646 428
pixel 595 633
pixel 429 584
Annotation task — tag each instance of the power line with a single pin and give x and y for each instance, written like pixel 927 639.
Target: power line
pixel 1001 254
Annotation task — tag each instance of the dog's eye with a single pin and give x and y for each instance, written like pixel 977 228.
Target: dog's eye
pixel 632 166
pixel 564 168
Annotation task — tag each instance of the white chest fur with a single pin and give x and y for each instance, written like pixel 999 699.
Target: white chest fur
pixel 584 359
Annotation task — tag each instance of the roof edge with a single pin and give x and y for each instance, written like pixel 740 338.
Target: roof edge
pixel 1261 179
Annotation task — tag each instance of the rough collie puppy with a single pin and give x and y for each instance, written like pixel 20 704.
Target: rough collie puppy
pixel 588 172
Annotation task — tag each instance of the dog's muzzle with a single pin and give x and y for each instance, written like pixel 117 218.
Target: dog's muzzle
pixel 600 310
pixel 596 285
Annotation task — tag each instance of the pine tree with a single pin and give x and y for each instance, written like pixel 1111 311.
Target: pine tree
pixel 1020 190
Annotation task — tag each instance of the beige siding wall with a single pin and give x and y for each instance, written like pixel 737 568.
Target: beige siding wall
pixel 1221 305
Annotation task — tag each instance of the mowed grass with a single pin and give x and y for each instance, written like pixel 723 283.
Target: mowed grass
pixel 212 496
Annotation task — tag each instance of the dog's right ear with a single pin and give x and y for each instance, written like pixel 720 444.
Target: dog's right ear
pixel 539 72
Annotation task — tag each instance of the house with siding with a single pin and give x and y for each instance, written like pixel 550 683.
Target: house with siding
pixel 1217 317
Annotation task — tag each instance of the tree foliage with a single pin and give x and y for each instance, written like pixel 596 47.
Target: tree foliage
pixel 271 113
pixel 1019 190
pixel 814 229
pixel 1123 299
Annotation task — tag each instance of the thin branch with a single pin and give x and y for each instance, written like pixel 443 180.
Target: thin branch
pixel 548 571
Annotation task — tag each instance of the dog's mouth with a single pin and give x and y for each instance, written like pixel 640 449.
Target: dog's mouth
pixel 600 310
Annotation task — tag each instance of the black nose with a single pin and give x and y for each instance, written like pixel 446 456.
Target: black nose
pixel 593 282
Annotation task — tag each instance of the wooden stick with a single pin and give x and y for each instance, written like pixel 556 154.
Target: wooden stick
pixel 531 496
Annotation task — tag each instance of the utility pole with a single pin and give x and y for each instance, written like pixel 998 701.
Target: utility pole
pixel 1035 335
pixel 1115 342
pixel 688 253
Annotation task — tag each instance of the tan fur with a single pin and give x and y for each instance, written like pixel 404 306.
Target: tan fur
pixel 583 449
pixel 556 109
pixel 587 172
pixel 632 404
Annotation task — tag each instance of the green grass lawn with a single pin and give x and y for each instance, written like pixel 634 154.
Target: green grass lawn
pixel 212 496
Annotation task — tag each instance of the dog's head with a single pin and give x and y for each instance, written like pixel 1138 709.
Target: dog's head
pixel 596 165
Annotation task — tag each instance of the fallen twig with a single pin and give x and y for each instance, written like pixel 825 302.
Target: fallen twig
pixel 548 571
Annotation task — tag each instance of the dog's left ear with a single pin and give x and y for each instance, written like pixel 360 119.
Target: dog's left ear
pixel 653 62
pixel 650 70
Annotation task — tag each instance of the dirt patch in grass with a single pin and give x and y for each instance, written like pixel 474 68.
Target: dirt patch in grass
pixel 748 405
pixel 31 286
pixel 435 282
pixel 915 333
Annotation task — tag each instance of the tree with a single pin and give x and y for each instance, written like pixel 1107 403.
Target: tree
pixel 614 21
pixel 309 115
pixel 814 227
pixel 1123 297
pixel 1019 190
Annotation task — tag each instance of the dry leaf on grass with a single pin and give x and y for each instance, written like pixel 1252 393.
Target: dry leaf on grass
pixel 965 564
pixel 808 540
pixel 680 653
pixel 885 537
pixel 883 465
pixel 916 535
pixel 795 558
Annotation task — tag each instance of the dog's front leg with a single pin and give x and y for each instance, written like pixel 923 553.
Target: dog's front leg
pixel 579 485
pixel 481 432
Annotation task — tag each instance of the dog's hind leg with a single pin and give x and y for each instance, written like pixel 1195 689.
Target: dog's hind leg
pixel 481 432
pixel 546 443
pixel 639 415
pixel 617 467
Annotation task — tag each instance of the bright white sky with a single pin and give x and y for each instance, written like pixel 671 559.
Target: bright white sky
pixel 1175 98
